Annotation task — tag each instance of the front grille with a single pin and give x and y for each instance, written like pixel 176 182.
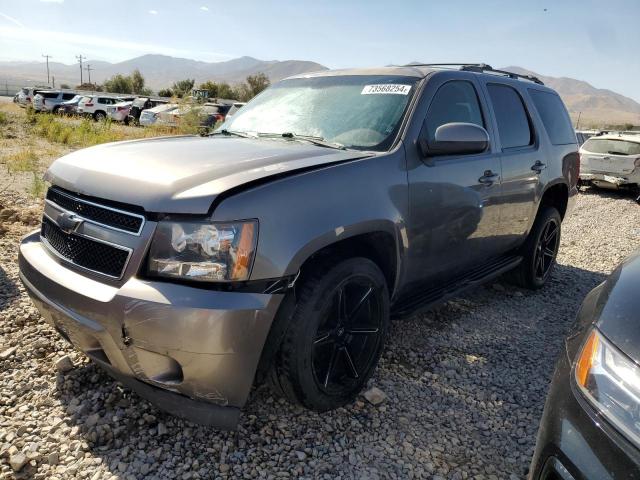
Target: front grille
pixel 84 252
pixel 107 216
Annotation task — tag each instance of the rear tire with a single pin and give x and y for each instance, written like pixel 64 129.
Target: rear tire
pixel 336 336
pixel 99 116
pixel 539 250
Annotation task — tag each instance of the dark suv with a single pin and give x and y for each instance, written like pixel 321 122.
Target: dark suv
pixel 279 247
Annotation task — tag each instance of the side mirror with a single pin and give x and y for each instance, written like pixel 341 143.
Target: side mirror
pixel 455 138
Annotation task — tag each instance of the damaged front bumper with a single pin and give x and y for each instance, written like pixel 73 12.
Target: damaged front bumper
pixel 191 351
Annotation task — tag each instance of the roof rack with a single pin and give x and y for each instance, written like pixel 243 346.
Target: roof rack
pixel 478 67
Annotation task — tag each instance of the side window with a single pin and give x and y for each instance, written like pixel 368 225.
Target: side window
pixel 513 122
pixel 554 117
pixel 102 101
pixel 455 101
pixel 50 95
pixel 68 96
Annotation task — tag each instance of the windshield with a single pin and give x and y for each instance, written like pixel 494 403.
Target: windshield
pixel 359 111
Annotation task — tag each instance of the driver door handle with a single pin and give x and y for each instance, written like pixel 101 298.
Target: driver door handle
pixel 538 166
pixel 488 178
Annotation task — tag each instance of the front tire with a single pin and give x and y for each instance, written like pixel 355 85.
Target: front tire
pixel 336 336
pixel 540 250
pixel 99 116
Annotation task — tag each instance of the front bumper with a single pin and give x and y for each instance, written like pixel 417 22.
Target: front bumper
pixel 191 351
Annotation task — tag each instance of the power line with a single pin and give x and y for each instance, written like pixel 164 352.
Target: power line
pixel 80 59
pixel 88 69
pixel 47 57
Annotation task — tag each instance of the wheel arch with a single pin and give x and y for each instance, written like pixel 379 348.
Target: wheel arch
pixel 556 195
pixel 378 245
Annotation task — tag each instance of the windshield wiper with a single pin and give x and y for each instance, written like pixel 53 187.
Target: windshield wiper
pixel 307 138
pixel 230 133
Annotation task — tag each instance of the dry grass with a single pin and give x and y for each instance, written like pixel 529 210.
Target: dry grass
pixel 30 142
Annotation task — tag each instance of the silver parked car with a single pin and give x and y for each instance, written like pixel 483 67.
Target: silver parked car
pixel 50 101
pixel 611 160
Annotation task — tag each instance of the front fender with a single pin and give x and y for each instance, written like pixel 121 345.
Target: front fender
pixel 301 214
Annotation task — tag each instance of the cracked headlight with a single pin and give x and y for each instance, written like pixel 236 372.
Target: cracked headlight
pixel 611 382
pixel 207 252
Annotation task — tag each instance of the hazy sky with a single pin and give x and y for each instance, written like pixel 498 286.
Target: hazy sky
pixel 596 41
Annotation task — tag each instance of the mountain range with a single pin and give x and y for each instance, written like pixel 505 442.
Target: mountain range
pixel 595 106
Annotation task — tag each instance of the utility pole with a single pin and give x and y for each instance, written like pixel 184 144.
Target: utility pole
pixel 88 69
pixel 47 57
pixel 80 59
pixel 578 122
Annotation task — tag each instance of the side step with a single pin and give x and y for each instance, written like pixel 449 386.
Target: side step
pixel 443 292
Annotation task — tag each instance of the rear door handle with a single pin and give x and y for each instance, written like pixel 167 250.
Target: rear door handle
pixel 488 178
pixel 538 166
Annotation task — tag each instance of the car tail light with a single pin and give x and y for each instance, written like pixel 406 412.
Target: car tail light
pixel 219 117
pixel 120 109
pixel 637 162
pixel 88 104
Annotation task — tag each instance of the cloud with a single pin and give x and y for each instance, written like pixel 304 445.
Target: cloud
pixel 204 9
pixel 15 21
pixel 153 12
pixel 99 46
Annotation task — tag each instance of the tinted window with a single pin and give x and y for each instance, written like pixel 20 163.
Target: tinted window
pixel 611 146
pixel 50 95
pixel 554 117
pixel 453 102
pixel 513 123
pixel 68 96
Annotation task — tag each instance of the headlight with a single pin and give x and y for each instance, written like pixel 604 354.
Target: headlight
pixel 611 381
pixel 208 252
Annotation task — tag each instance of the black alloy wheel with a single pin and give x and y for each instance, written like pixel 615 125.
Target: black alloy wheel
pixel 348 336
pixel 547 249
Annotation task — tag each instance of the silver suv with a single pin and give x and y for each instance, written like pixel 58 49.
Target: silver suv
pixel 49 101
pixel 278 248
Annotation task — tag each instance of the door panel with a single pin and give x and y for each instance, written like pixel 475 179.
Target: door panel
pixel 454 201
pixel 522 161
pixel 453 215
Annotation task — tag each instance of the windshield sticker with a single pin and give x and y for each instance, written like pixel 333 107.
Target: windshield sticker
pixel 387 88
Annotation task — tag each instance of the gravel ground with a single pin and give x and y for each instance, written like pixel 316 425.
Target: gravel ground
pixel 464 385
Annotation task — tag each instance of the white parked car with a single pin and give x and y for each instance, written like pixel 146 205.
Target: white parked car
pixel 120 111
pixel 96 105
pixel 26 94
pixel 150 116
pixel 49 101
pixel 611 161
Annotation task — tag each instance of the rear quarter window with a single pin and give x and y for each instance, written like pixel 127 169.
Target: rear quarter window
pixel 554 117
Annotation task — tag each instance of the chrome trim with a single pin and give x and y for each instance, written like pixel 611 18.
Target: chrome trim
pixel 60 256
pixel 141 217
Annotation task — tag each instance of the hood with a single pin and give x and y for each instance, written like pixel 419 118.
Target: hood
pixel 618 305
pixel 183 174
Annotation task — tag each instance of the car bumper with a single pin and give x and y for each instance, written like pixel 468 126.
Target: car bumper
pixel 191 351
pixel 610 179
pixel 575 442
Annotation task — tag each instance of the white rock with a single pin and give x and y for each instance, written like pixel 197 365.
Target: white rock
pixel 375 396
pixel 64 364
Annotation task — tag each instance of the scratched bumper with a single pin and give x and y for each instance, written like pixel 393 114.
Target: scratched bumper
pixel 201 344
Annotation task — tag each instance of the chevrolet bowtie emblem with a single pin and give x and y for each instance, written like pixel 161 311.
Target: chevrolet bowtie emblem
pixel 69 222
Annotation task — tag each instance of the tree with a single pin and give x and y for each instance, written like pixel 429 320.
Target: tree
pixel 183 87
pixel 253 85
pixel 257 83
pixel 65 86
pixel 137 82
pixel 165 92
pixel 210 87
pixel 118 84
